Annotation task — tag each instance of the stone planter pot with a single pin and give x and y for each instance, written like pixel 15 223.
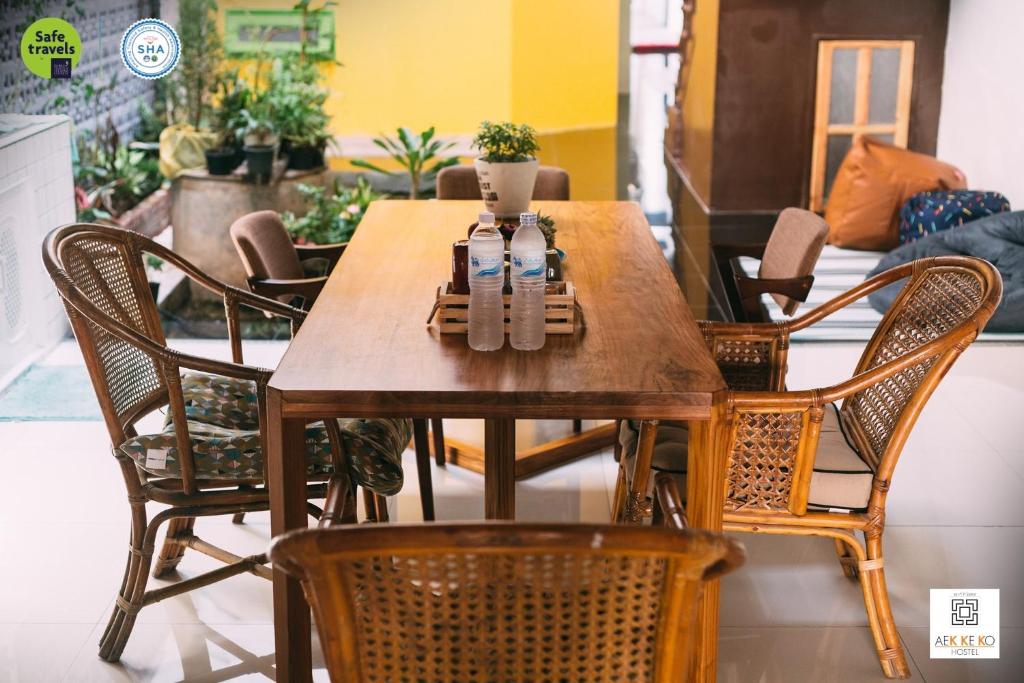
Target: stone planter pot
pixel 507 187
pixel 150 216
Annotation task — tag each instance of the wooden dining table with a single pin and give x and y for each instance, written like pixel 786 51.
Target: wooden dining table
pixel 366 350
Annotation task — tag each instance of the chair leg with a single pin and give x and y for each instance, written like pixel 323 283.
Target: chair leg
pixel 133 586
pixel 876 600
pixel 847 559
pixel 173 549
pixel 380 504
pixel 577 426
pixel 619 497
pixel 636 505
pixel 238 518
pixel 339 506
pixel 437 430
pixel 422 447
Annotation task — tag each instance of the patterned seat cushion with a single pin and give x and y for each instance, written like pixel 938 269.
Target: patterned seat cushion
pixel 223 425
pixel 840 480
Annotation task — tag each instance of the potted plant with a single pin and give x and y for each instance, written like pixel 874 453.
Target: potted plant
pixel 234 98
pixel 259 138
pixel 412 152
pixel 507 167
pixel 333 215
pixel 298 106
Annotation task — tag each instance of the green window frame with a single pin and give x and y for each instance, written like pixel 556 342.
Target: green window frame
pixel 244 31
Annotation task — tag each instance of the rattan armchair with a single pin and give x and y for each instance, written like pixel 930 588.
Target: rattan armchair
pixel 801 462
pixel 208 460
pixel 504 601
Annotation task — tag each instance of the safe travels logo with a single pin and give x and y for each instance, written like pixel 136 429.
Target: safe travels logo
pixel 51 48
pixel 150 48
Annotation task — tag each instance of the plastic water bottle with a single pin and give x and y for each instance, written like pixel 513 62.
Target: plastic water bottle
pixel 529 274
pixel 486 279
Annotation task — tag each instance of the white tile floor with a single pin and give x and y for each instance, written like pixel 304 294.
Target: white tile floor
pixel 956 519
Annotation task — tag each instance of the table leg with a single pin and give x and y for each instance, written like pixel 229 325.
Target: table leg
pixel 705 493
pixel 286 477
pixel 500 468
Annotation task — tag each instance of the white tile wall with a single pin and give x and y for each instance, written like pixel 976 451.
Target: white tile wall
pixel 36 195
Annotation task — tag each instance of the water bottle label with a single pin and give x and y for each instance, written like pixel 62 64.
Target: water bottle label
pixel 486 266
pixel 529 266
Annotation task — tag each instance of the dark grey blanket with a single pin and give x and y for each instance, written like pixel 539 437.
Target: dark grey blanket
pixel 998 239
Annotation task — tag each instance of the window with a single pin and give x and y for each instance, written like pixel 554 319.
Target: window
pixel 863 89
pixel 275 32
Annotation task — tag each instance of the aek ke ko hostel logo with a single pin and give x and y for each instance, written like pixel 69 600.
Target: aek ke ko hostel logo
pixel 964 623
pixel 150 48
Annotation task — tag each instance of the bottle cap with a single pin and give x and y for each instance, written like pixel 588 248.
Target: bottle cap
pixel 486 217
pixel 527 217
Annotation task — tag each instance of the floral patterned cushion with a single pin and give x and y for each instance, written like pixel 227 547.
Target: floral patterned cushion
pixel 223 425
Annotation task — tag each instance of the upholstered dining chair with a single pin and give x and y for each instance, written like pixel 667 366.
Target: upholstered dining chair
pixel 787 263
pixel 505 601
pixel 275 267
pixel 821 462
pixel 459 182
pixel 208 459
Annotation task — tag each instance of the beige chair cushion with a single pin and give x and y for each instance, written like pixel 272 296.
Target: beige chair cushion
pixel 840 479
pixel 793 249
pixel 459 182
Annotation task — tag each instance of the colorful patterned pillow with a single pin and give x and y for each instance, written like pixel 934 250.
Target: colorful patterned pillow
pixel 929 212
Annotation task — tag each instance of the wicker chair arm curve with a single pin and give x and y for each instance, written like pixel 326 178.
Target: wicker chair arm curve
pixel 158 352
pixel 223 289
pixel 748 400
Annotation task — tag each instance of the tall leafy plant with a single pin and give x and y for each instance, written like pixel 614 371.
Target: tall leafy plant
pixel 414 153
pixel 201 56
pixel 297 102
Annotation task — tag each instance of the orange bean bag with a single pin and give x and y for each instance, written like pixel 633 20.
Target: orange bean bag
pixel 872 184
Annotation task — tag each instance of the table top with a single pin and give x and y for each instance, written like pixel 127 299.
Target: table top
pixel 366 349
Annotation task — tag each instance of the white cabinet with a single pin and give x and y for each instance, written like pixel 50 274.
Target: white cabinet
pixel 36 195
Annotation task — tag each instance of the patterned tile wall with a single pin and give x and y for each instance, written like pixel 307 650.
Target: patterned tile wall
pixel 100 24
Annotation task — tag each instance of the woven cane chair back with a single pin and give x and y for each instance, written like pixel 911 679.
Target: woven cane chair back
pixel 106 268
pixel 936 302
pixel 504 602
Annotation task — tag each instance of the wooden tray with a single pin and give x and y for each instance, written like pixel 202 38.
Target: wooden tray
pixel 452 310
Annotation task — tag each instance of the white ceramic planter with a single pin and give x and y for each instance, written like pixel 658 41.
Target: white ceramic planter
pixel 507 187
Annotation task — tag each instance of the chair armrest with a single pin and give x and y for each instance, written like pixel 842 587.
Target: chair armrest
pixel 330 252
pixel 308 288
pixel 794 287
pixel 724 252
pixel 670 501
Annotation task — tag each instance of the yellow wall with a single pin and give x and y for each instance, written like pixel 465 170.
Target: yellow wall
pixel 453 63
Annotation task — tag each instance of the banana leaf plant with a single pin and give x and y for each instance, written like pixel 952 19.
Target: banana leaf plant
pixel 413 152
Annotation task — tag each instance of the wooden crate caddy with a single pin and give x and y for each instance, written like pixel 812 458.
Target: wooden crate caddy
pixel 452 310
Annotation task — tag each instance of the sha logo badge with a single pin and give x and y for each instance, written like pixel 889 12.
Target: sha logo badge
pixel 150 48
